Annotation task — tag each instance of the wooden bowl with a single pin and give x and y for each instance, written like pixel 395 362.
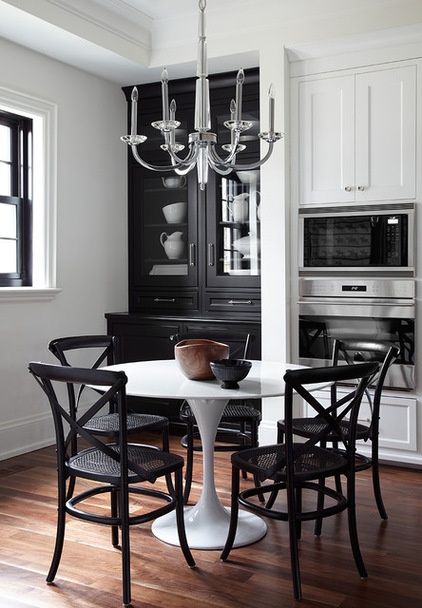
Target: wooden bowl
pixel 194 356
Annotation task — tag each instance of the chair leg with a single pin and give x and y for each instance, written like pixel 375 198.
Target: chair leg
pixel 293 542
pixel 271 500
pixel 376 479
pixel 353 532
pixel 114 513
pixel 242 429
pixel 254 444
pixel 123 507
pixel 70 488
pixel 61 524
pixel 178 491
pixel 165 438
pixel 234 514
pixel 189 462
pixel 320 506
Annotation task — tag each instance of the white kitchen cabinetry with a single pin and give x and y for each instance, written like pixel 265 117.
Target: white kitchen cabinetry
pixel 356 135
pixel 398 425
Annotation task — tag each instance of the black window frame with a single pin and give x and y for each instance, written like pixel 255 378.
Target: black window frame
pixel 21 196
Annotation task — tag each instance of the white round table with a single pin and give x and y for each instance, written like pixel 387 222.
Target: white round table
pixel 207 522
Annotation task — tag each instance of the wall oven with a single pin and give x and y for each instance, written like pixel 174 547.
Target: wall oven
pixel 375 239
pixel 375 308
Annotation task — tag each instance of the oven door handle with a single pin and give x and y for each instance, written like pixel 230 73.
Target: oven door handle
pixel 358 302
pixel 326 308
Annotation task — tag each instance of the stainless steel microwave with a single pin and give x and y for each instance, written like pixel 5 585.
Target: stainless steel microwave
pixel 374 238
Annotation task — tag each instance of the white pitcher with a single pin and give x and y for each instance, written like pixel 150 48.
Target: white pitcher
pixel 173 244
pixel 240 208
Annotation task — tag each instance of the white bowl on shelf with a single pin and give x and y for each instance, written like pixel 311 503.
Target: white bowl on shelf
pixel 248 177
pixel 247 246
pixel 175 213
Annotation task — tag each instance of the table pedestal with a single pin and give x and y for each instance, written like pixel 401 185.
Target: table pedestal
pixel 207 523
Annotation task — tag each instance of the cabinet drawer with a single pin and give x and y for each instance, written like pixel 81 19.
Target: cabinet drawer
pixel 169 302
pixel 231 303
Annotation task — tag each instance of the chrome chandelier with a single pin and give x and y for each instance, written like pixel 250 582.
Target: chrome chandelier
pixel 202 143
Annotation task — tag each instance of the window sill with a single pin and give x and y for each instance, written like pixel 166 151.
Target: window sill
pixel 29 294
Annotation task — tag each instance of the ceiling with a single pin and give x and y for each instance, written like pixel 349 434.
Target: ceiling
pixel 115 39
pixel 129 41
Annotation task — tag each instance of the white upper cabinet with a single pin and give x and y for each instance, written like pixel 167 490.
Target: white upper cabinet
pixel 356 136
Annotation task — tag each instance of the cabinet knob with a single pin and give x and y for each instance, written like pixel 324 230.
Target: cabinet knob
pixel 361 188
pixel 348 188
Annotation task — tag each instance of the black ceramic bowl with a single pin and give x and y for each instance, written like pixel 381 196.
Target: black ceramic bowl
pixel 230 371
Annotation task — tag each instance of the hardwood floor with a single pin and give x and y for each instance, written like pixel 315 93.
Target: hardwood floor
pixel 258 575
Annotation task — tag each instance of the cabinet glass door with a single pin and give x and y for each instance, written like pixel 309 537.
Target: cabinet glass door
pixel 166 229
pixel 235 250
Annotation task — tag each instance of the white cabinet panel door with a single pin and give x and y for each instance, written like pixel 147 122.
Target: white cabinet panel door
pixel 386 134
pixel 326 140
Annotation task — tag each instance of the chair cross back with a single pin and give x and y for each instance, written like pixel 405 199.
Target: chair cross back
pixel 363 350
pixel 296 381
pixel 61 346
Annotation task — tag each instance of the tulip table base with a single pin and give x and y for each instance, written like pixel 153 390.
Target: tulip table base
pixel 207 523
pixel 207 528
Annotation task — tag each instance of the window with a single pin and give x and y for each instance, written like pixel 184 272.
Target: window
pixel 28 191
pixel 15 200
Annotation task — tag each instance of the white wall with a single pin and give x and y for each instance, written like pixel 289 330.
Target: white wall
pixel 91 235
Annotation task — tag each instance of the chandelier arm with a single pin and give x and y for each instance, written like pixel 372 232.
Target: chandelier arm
pixel 217 165
pixel 182 162
pixel 258 163
pixel 186 170
pixel 149 166
pixel 216 158
pixel 219 169
pixel 152 167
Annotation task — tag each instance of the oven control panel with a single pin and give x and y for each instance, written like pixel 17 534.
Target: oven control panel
pixel 359 288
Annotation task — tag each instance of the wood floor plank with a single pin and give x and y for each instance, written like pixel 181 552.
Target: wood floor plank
pixel 257 575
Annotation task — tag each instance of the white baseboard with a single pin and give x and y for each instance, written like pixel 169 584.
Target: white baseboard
pixel 26 435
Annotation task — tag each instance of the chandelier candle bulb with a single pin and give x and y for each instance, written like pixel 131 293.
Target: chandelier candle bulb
pixel 239 90
pixel 165 94
pixel 172 119
pixel 232 117
pixel 134 122
pixel 271 97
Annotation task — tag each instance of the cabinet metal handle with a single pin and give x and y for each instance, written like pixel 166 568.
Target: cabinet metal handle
pixel 348 188
pixel 192 256
pixel 172 300
pixel 361 188
pixel 234 302
pixel 211 260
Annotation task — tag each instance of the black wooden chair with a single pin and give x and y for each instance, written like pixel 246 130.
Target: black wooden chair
pixel 351 352
pixel 302 470
pixel 93 351
pixel 116 468
pixel 238 428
